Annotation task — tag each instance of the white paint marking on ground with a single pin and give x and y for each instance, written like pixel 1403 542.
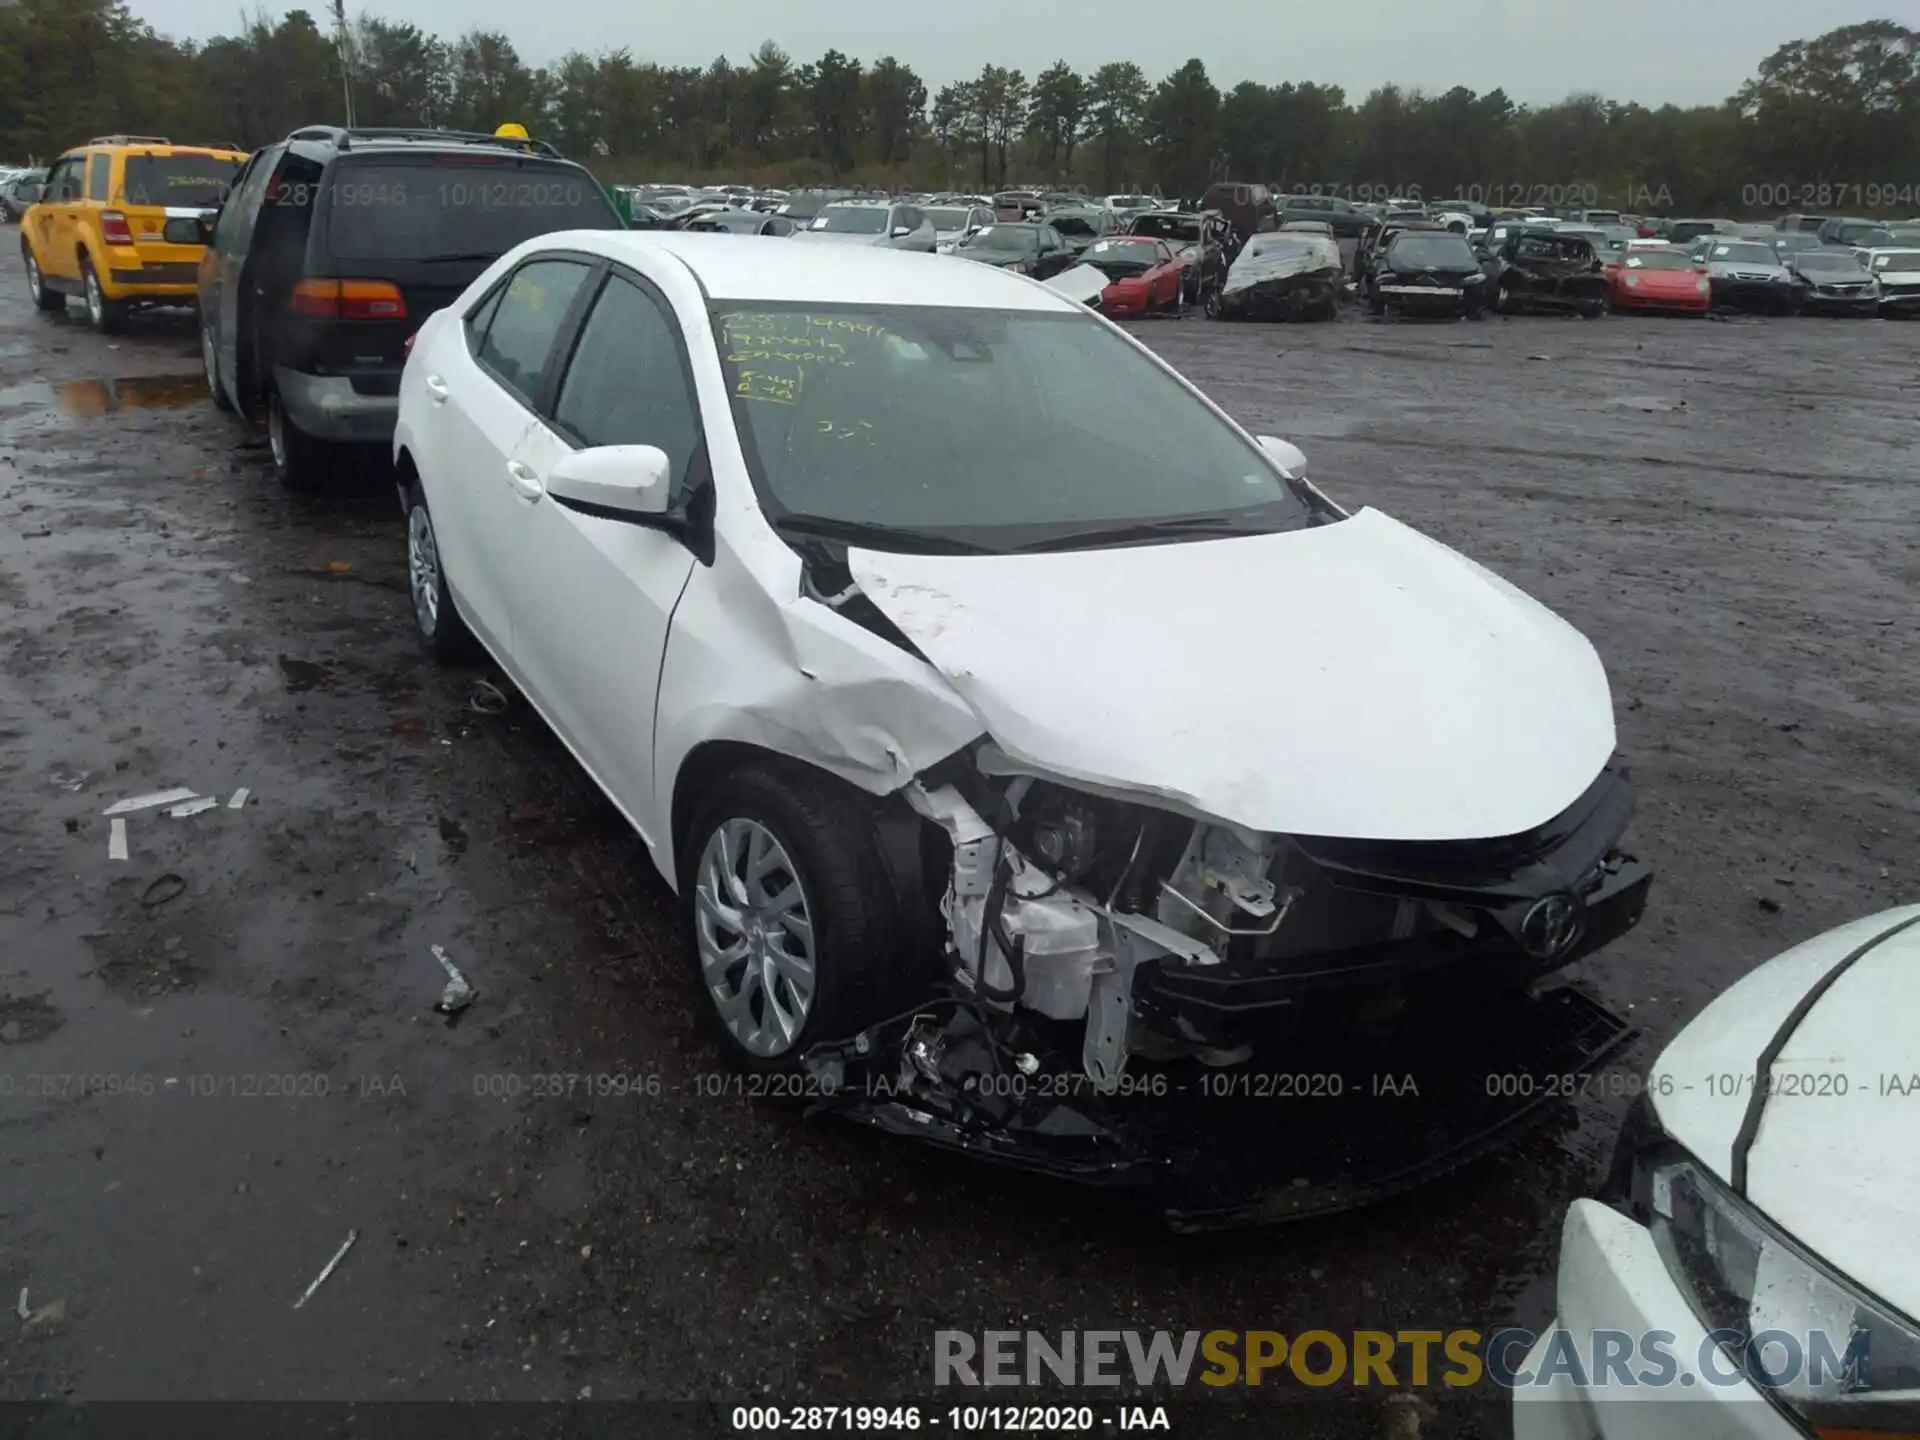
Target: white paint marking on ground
pixel 148 802
pixel 117 840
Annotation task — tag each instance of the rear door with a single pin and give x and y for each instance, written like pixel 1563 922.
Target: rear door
pixel 593 596
pixel 419 229
pixel 56 242
pixel 484 380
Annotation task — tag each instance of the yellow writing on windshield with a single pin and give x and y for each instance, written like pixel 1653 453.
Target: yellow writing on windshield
pixel 771 354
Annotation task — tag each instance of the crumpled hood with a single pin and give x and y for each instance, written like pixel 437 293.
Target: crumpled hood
pixel 1354 680
pixel 1258 267
pixel 1837 1171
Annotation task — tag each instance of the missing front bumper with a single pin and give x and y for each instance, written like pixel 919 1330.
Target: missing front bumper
pixel 1341 1124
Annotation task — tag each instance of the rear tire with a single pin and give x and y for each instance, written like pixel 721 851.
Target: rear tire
pixel 816 955
pixel 299 460
pixel 109 317
pixel 45 297
pixel 443 632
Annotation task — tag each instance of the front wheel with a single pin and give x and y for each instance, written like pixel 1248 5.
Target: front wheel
pixel 1214 305
pixel 45 297
pixel 210 362
pixel 790 923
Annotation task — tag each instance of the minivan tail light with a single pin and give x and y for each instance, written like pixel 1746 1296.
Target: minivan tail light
pixel 349 300
pixel 114 228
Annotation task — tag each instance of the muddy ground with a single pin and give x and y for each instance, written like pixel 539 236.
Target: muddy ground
pixel 1727 509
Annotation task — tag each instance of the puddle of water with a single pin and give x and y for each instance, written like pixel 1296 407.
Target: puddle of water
pixel 89 399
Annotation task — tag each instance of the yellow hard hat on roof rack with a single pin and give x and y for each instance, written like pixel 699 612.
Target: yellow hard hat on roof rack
pixel 512 131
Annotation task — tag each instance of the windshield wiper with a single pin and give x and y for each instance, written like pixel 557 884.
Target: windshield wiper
pixel 881 537
pixel 1177 526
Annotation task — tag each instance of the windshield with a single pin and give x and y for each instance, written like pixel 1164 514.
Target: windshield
pixel 1745 254
pixel 1006 239
pixel 191 181
pixel 1168 227
pixel 945 218
pixel 1898 260
pixel 989 428
pixel 1826 258
pixel 1128 252
pixel 380 210
pixel 1132 202
pixel 851 220
pixel 1431 251
pixel 1864 235
pixel 1658 260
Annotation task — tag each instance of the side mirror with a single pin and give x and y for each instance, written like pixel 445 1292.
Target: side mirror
pixel 207 221
pixel 1288 456
pixel 614 481
pixel 900 232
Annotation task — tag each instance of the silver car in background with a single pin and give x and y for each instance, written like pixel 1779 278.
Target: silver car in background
pixel 888 226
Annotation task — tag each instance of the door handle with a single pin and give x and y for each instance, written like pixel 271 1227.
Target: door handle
pixel 526 484
pixel 437 390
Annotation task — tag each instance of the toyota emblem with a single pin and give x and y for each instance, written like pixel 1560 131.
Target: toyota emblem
pixel 1551 926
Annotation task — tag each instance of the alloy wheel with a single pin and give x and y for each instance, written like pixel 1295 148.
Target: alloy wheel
pixel 96 302
pixel 423 569
pixel 754 930
pixel 35 285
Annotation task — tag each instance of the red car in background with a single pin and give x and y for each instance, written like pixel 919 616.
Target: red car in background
pixel 1143 274
pixel 1660 278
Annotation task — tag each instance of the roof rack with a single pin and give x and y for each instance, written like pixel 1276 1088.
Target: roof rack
pixel 129 140
pixel 344 138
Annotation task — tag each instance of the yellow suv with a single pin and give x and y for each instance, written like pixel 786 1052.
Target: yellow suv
pixel 119 224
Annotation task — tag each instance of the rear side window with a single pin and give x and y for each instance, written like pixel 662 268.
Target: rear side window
pixel 526 321
pixel 197 182
pixel 628 383
pixel 457 209
pixel 99 173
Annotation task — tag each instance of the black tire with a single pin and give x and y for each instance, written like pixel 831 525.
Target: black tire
pixel 45 297
pixel 827 834
pixel 300 461
pixel 1214 305
pixel 437 620
pixel 109 317
pixel 1593 310
pixel 209 363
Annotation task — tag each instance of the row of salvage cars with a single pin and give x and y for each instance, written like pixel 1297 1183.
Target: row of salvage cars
pixel 932 701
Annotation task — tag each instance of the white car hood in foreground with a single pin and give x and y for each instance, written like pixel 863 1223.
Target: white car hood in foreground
pixel 1353 680
pixel 1839 1172
pixel 1082 283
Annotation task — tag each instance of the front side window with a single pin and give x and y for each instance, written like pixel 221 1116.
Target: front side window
pixel 627 383
pixel 526 321
pixel 982 428
pixel 64 185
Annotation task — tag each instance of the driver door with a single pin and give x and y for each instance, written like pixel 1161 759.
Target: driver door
pixel 56 222
pixel 597 593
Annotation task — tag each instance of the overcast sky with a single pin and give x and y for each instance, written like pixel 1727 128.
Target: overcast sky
pixel 1653 51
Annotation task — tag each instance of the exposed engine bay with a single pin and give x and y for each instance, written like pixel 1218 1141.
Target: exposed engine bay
pixel 1095 946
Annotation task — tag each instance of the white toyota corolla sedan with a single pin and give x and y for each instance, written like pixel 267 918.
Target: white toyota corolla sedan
pixel 1755 1268
pixel 948 649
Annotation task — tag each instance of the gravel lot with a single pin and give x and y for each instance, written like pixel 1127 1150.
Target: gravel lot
pixel 1727 509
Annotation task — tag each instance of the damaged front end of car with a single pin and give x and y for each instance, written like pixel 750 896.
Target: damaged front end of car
pixel 1119 974
pixel 1329 872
